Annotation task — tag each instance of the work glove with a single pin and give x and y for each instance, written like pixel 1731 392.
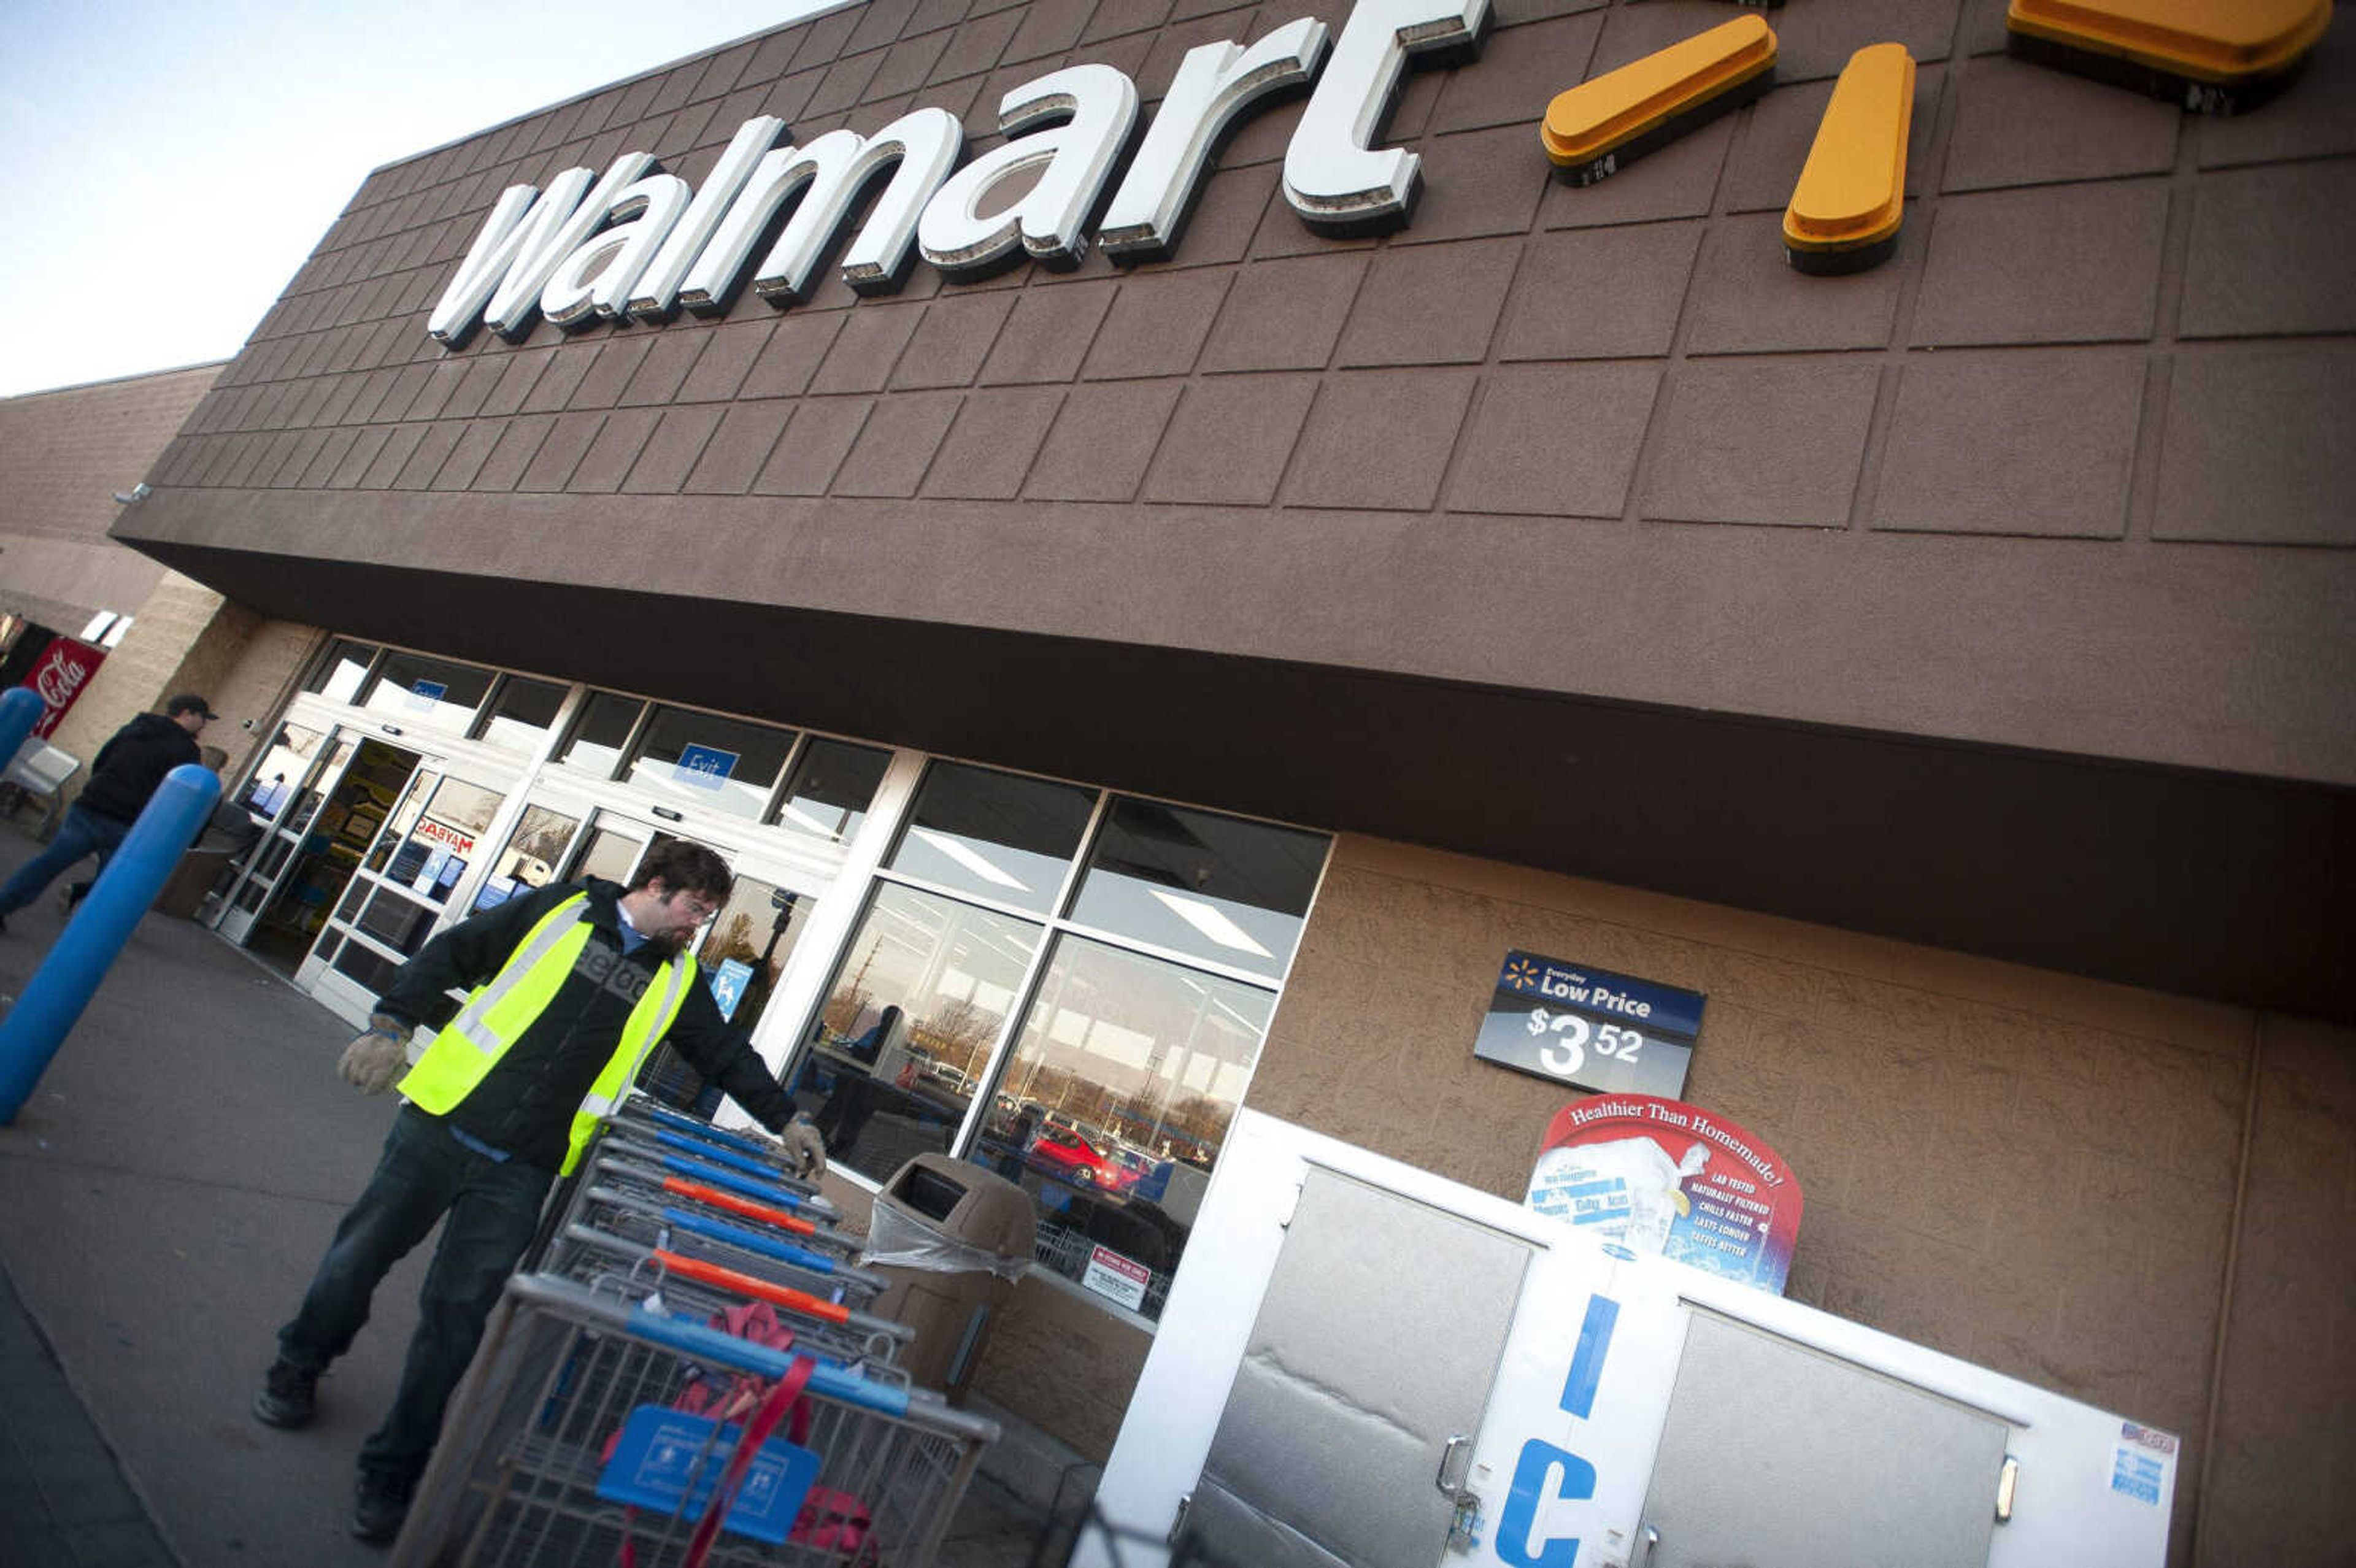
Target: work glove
pixel 375 1060
pixel 804 1147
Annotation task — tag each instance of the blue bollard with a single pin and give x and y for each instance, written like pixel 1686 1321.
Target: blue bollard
pixel 54 1000
pixel 21 708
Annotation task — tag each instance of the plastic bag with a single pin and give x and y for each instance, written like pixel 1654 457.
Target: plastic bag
pixel 902 1241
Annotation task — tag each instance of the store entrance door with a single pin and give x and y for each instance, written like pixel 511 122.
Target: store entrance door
pixel 302 767
pixel 394 895
pixel 302 867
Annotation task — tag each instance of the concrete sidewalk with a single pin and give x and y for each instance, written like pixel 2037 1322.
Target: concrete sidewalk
pixel 164 1197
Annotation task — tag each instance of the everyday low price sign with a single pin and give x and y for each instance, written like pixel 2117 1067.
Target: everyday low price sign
pixel 1589 1027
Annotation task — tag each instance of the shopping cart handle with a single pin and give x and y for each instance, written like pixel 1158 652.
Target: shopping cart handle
pixel 829 1382
pixel 704 1192
pixel 728 1180
pixel 703 1132
pixel 704 1150
pixel 752 1241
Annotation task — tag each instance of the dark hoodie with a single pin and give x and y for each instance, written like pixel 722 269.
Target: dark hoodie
pixel 132 763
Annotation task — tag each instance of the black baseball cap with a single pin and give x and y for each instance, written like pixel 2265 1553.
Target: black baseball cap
pixel 189 702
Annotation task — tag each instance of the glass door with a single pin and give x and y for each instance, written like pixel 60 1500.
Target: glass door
pixel 741 956
pixel 336 826
pixel 302 765
pixel 741 952
pixel 394 896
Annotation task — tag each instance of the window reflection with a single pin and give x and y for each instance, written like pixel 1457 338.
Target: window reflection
pixel 709 761
pixel 280 770
pixel 429 841
pixel 744 952
pixel 833 786
pixel 534 850
pixel 1114 1102
pixel 524 713
pixel 428 691
pixel 340 670
pixel 1193 882
pixel 1004 837
pixel 606 720
pixel 922 994
pixel 371 970
pixel 399 923
pixel 610 853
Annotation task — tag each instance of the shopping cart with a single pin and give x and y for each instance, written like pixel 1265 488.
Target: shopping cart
pixel 634 1157
pixel 674 1179
pixel 570 1437
pixel 699 1287
pixel 717 1235
pixel 651 1125
pixel 717 1166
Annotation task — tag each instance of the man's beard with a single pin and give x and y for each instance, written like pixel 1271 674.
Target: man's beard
pixel 669 945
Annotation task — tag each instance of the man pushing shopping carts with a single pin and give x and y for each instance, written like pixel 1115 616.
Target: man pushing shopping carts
pixel 570 988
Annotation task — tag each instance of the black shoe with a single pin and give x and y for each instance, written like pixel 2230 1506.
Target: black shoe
pixel 75 893
pixel 381 1504
pixel 289 1396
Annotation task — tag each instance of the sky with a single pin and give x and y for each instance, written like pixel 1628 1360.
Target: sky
pixel 165 165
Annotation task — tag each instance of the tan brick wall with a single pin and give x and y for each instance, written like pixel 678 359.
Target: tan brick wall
pixel 63 456
pixel 2026 1170
pixel 186 638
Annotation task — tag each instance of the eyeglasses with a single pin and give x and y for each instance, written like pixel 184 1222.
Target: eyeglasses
pixel 701 910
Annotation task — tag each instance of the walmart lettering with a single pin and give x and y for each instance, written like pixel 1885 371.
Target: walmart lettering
pixel 639 243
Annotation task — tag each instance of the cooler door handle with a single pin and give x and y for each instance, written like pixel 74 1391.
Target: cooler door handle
pixel 1450 1479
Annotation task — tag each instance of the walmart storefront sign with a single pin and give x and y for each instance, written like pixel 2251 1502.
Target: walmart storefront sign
pixel 638 244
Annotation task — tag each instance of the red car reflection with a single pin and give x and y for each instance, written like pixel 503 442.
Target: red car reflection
pixel 1070 1157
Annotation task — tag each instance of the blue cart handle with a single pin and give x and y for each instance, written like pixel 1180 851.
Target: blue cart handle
pixel 766 1169
pixel 752 1241
pixel 729 1180
pixel 703 1132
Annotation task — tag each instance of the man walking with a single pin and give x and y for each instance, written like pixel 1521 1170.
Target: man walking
pixel 570 988
pixel 129 767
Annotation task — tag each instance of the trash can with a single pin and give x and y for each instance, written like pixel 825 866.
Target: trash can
pixel 227 834
pixel 182 894
pixel 952 1238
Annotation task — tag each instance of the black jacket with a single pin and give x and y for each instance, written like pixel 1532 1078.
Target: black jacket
pixel 525 1103
pixel 132 763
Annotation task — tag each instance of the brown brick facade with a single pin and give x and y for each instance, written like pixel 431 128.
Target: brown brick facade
pixel 2181 269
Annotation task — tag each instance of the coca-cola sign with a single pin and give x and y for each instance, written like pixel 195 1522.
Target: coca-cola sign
pixel 63 671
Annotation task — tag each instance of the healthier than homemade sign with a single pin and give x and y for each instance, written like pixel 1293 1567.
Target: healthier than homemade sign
pixel 1657 1176
pixel 1589 1027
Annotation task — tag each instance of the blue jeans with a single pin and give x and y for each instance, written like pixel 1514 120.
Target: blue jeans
pixel 493 1208
pixel 81 833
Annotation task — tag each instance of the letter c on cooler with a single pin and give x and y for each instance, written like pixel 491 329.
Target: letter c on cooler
pixel 1531 1473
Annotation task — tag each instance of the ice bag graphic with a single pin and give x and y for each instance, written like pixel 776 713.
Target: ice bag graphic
pixel 1627 1190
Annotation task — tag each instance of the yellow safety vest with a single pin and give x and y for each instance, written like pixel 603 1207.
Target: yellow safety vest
pixel 495 1016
